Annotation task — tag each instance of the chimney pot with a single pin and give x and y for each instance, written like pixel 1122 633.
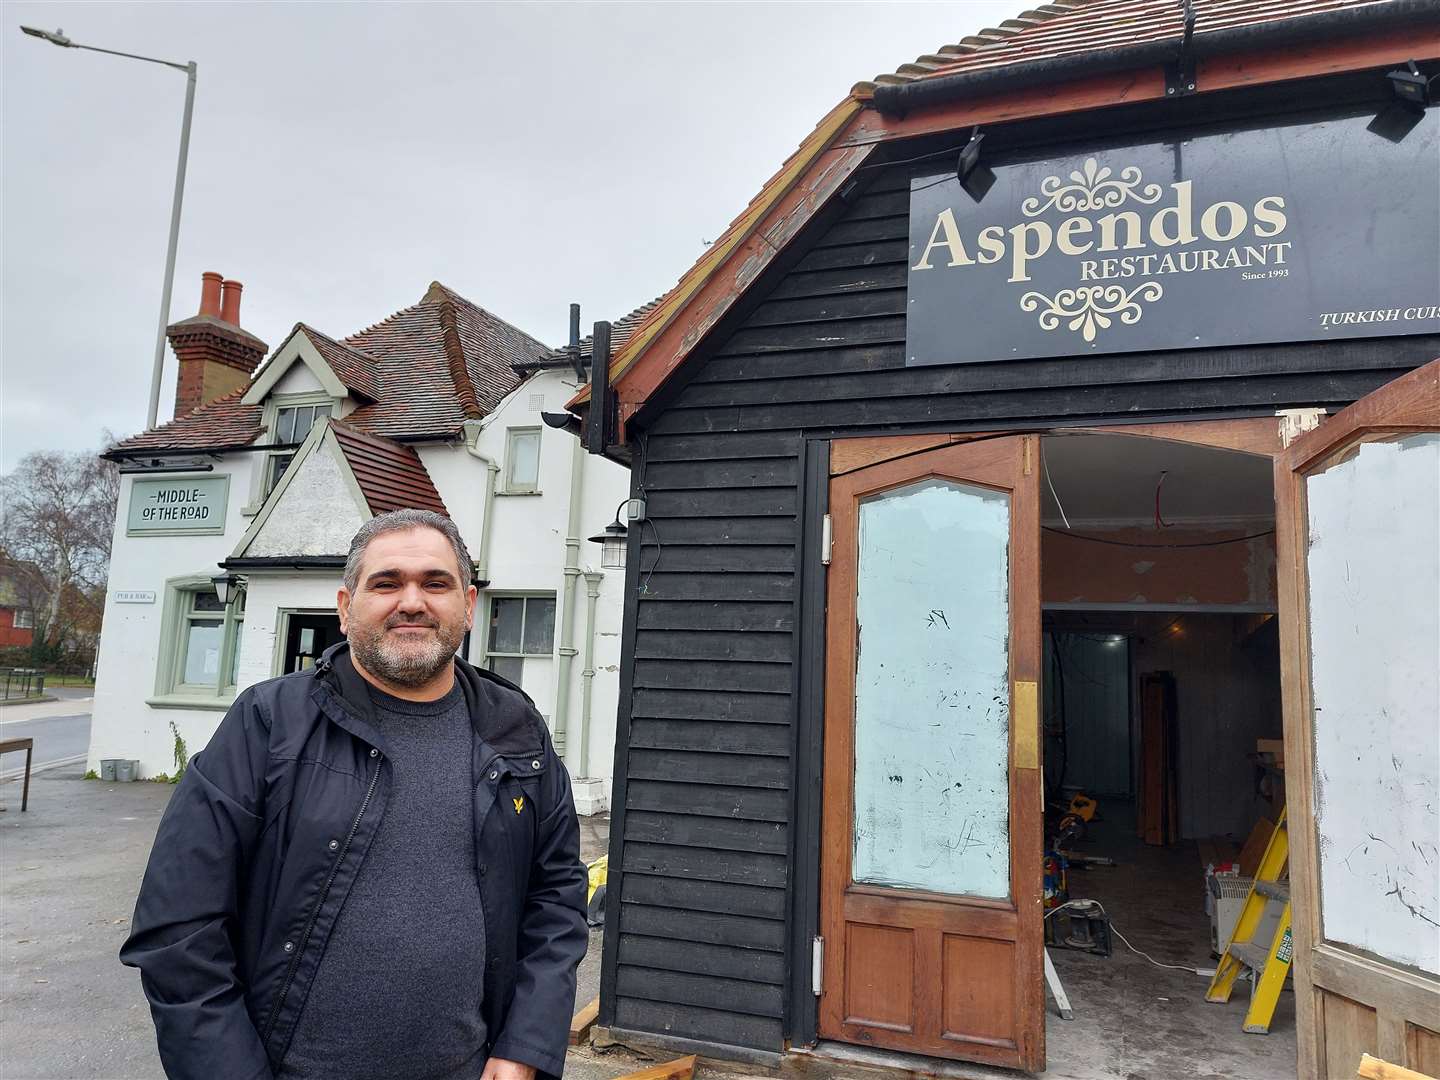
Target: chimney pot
pixel 230 301
pixel 210 293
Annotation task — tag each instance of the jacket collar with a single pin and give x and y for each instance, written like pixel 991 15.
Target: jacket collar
pixel 503 716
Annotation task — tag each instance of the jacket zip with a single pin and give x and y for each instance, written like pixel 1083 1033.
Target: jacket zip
pixel 315 912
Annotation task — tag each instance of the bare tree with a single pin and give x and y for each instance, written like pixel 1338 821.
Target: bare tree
pixel 57 511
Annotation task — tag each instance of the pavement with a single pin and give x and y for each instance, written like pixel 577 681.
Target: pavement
pixel 70 868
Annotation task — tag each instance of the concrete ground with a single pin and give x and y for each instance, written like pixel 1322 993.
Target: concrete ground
pixel 70 868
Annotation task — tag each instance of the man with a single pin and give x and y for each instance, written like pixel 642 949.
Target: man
pixel 373 869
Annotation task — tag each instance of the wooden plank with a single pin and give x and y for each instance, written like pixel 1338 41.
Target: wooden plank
pixel 731 445
pixel 1049 403
pixel 1422 1049
pixel 770 740
pixel 847 455
pixel 713 928
pixel 719 675
pixel 749 964
pixel 739 770
pixel 709 833
pixel 679 1069
pixel 1372 1068
pixel 744 532
pixel 829 309
pixel 704 705
pixel 721 558
pixel 722 897
pixel 741 645
pixel 584 1020
pixel 742 473
pixel 668 860
pixel 669 585
pixel 718 800
pixel 705 1025
pixel 711 992
pixel 758 502
pixel 842 280
pixel 1254 848
pixel 1349 1032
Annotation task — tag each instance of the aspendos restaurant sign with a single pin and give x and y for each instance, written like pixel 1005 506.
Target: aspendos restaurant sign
pixel 1301 232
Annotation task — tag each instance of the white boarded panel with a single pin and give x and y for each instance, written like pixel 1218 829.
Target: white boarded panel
pixel 932 699
pixel 1374 566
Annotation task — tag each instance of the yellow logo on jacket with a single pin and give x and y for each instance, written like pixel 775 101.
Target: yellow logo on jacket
pixel 519 803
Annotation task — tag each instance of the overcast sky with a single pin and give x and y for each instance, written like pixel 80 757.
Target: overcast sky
pixel 344 155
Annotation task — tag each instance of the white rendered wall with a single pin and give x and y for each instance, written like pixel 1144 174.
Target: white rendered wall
pixel 527 552
pixel 269 594
pixel 122 724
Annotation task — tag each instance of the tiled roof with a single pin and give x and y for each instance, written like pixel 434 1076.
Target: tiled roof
pixel 437 375
pixel 223 423
pixel 421 373
pixel 620 331
pixel 356 369
pixel 391 476
pixel 1075 26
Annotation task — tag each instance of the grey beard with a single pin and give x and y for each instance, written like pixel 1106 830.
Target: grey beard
pixel 404 667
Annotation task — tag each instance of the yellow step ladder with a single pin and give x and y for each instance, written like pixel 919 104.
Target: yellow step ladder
pixel 1269 961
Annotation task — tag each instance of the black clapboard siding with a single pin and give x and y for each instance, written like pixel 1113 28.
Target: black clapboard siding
pixel 749 964
pixel 702 705
pixel 720 800
pixel 711 992
pixel 819 349
pixel 744 473
pixel 739 445
pixel 719 675
pixel 667 583
pixel 712 645
pixel 735 770
pixel 711 927
pixel 714 736
pixel 734 531
pixel 757 559
pixel 691 830
pixel 1091 403
pixel 706 1025
pixel 753 502
pixel 719 897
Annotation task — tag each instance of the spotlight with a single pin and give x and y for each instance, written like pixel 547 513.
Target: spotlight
pixel 1410 86
pixel 974 177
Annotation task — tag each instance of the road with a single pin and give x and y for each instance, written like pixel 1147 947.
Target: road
pixel 61 730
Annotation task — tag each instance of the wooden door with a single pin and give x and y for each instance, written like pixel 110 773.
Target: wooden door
pixel 932 820
pixel 1359 578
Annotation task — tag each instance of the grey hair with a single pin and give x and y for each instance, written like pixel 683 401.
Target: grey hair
pixel 399 521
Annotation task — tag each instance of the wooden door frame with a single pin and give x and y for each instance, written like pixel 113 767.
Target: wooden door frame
pixel 1319 965
pixel 883 461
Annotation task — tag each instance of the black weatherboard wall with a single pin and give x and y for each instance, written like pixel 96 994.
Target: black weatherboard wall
pixel 715 827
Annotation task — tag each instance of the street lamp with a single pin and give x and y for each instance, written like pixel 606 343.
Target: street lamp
pixel 59 38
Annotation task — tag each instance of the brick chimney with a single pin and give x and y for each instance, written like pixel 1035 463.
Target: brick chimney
pixel 215 355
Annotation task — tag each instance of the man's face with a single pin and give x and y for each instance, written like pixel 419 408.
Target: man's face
pixel 410 609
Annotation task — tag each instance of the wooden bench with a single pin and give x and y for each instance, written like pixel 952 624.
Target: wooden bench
pixel 28 745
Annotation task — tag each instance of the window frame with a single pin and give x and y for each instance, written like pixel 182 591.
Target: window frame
pixel 262 487
pixel 176 619
pixel 512 435
pixel 24 619
pixel 487 654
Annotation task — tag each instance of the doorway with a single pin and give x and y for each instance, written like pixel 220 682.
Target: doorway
pixel 305 635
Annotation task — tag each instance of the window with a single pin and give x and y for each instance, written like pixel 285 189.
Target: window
pixel 275 468
pixel 522 460
pixel 200 643
pixel 24 620
pixel 293 422
pixel 520 627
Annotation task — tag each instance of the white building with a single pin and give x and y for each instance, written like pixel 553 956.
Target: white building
pixel 264 476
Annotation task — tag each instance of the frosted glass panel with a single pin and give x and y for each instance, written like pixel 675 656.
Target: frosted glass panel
pixel 932 699
pixel 1374 568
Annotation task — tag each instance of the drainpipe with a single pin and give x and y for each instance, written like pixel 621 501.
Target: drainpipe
pixel 492 470
pixel 565 616
pixel 587 676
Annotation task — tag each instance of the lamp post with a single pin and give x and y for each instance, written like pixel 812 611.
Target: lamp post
pixel 59 38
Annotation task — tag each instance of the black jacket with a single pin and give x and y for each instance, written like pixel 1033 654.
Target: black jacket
pixel 265 835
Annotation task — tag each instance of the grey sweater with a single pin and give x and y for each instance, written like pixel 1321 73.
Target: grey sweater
pixel 397 995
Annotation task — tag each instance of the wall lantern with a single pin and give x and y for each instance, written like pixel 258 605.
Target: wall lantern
pixel 613 540
pixel 227 587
